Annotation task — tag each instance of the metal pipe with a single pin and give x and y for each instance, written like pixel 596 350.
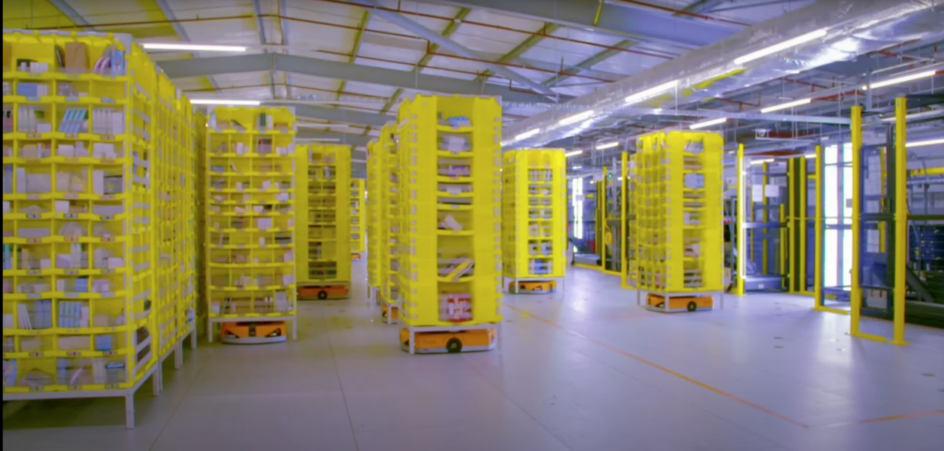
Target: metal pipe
pixel 901 221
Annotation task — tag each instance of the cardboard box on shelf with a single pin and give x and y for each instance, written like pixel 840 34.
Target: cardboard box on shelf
pixel 76 57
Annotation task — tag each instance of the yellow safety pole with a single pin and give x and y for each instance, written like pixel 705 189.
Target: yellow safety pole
pixel 624 171
pixel 856 291
pixel 804 182
pixel 901 220
pixel 741 239
pixel 603 220
pixel 765 266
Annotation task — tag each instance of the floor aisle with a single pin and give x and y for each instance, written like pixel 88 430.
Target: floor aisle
pixel 582 370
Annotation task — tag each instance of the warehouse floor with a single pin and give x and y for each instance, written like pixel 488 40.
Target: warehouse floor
pixel 588 371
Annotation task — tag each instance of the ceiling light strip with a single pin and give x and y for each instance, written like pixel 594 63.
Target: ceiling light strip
pixel 769 50
pixel 784 106
pixel 704 124
pixel 650 93
pixel 897 80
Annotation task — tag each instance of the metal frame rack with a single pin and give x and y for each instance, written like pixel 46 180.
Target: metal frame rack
pixel 762 230
pixel 323 226
pixel 679 215
pixel 358 221
pixel 450 249
pixel 251 202
pixel 84 173
pixel 533 215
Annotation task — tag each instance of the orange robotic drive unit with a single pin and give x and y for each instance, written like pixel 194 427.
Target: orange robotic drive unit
pixel 323 292
pixel 679 303
pixel 476 340
pixel 386 310
pixel 543 286
pixel 253 333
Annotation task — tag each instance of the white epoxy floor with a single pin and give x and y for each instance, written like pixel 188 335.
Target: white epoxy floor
pixel 581 370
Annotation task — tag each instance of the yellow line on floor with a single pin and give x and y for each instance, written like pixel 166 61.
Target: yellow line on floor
pixel 903 417
pixel 658 367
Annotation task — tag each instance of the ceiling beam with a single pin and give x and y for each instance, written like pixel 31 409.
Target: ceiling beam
pixel 588 63
pixel 519 50
pixel 615 20
pixel 340 71
pixel 260 25
pixel 427 57
pixel 452 46
pixel 343 138
pixel 342 115
pixel 64 8
pixel 181 32
pixel 357 48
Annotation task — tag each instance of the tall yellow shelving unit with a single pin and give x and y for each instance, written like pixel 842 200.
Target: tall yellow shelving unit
pixel 534 216
pixel 389 234
pixel 175 222
pixel 450 246
pixel 251 218
pixel 200 218
pixel 679 219
pixel 323 227
pixel 83 161
pixel 358 219
pixel 375 217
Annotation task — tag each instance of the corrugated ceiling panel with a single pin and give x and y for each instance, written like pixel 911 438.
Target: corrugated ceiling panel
pixel 455 66
pixel 425 8
pixel 381 24
pixel 33 14
pixel 117 14
pixel 369 90
pixel 314 82
pixel 302 32
pixel 391 54
pixel 629 63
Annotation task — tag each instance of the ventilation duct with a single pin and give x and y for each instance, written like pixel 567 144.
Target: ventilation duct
pixel 841 30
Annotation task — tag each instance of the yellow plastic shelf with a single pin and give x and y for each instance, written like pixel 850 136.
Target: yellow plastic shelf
pixel 423 294
pixel 534 244
pixel 323 213
pixel 358 217
pixel 246 151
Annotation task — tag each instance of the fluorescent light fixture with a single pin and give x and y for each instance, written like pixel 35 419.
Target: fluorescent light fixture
pixel 527 134
pixel 756 162
pixel 902 79
pixel 193 47
pixel 650 93
pixel 769 50
pixel 573 153
pixel 576 167
pixel 922 115
pixel 576 118
pixel 698 125
pixel 810 155
pixel 226 102
pixel 784 106
pixel 608 145
pixel 929 142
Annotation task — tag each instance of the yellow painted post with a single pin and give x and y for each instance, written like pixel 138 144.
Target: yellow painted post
pixel 741 234
pixel 855 303
pixel 763 252
pixel 624 227
pixel 803 210
pixel 601 202
pixel 901 220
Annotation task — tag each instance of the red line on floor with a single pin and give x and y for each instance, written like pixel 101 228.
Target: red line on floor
pixel 660 367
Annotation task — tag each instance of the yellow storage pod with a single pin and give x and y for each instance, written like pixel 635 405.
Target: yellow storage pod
pixel 389 222
pixel 91 225
pixel 450 199
pixel 534 217
pixel 375 216
pixel 358 221
pixel 323 226
pixel 678 208
pixel 251 219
